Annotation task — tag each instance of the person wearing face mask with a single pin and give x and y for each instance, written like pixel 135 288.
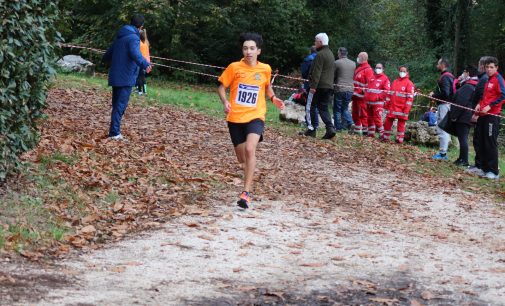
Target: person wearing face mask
pixel 362 76
pixel 375 96
pixel 398 104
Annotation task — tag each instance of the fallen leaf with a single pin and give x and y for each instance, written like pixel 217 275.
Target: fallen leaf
pixel 427 295
pixel 384 301
pixel 415 303
pixel 313 264
pixel 118 269
pixel 191 224
pixel 117 207
pixel 90 229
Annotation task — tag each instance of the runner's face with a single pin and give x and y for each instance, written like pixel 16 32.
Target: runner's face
pixel 491 69
pixel 250 51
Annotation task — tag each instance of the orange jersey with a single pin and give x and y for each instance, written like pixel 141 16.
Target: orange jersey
pixel 247 90
pixel 144 49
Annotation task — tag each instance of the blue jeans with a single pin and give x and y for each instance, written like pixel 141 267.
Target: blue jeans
pixel 120 97
pixel 341 115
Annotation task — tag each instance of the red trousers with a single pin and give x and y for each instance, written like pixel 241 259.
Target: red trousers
pixel 374 110
pixel 359 115
pixel 388 124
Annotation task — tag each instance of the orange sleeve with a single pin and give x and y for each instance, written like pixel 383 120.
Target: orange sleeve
pixel 227 76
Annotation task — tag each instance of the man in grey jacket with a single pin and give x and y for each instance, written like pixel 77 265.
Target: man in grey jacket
pixel 344 74
pixel 321 84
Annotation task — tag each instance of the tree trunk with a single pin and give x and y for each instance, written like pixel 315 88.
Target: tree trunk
pixel 460 34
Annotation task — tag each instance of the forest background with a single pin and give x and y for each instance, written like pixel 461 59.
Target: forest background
pixel 408 32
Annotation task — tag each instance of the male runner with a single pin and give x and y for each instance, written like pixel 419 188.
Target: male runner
pixel 249 82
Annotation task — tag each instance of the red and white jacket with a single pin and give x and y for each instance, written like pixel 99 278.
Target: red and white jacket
pixel 494 95
pixel 400 99
pixel 362 76
pixel 377 90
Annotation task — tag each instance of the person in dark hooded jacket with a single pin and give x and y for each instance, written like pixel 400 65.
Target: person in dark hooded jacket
pixel 461 117
pixel 125 60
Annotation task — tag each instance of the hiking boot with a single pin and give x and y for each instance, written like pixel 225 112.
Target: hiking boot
pixel 329 134
pixel 460 163
pixel 309 133
pixel 440 156
pixel 245 200
pixel 490 175
pixel 475 171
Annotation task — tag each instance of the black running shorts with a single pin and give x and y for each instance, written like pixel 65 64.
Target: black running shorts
pixel 239 131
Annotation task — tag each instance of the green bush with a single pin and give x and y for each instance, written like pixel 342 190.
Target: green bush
pixel 26 53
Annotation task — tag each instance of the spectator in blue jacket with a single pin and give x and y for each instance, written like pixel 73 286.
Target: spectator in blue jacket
pixel 430 116
pixel 125 60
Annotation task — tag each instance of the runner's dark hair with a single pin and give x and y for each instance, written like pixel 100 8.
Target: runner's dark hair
pixel 251 36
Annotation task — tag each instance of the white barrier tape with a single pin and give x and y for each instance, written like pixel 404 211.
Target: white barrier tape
pixel 276 74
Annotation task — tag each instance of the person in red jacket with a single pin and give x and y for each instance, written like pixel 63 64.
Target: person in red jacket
pixel 398 104
pixel 488 126
pixel 362 76
pixel 375 96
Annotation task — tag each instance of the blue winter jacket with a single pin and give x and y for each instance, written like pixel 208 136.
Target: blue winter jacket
pixel 125 58
pixel 305 69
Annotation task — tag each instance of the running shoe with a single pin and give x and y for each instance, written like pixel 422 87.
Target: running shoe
pixel 475 170
pixel 245 200
pixel 117 137
pixel 440 156
pixel 490 175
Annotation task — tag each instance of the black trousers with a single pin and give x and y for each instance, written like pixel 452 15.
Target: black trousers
pixel 322 99
pixel 141 81
pixel 462 130
pixel 487 130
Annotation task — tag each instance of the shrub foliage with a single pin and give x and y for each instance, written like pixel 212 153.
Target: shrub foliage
pixel 26 53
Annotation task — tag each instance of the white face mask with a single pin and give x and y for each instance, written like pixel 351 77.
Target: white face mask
pixel 403 74
pixel 358 61
pixel 378 70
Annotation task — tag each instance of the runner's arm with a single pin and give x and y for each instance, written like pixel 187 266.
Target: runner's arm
pixel 221 91
pixel 276 101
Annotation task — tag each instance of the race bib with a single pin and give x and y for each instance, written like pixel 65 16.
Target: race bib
pixel 247 95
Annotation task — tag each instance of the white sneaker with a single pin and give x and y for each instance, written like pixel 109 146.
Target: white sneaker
pixel 117 137
pixel 490 175
pixel 476 171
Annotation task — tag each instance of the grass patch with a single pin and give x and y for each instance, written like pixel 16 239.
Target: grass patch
pixel 25 222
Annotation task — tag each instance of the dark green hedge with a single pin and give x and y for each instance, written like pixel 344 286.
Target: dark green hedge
pixel 26 53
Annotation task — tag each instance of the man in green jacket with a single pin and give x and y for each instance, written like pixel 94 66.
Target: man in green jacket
pixel 321 85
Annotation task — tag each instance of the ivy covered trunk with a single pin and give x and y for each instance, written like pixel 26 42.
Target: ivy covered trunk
pixel 26 52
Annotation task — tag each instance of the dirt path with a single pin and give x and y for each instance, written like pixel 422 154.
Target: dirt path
pixel 327 227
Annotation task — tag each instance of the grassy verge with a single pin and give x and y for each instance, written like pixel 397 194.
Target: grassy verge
pixel 26 222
